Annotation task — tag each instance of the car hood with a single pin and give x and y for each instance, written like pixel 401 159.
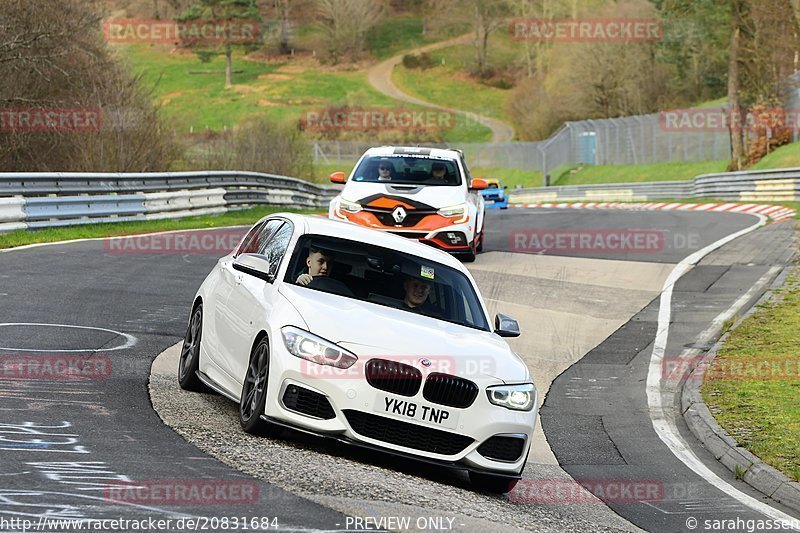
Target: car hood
pixel 372 330
pixel 423 197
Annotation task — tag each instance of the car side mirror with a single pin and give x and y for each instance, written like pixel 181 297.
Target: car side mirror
pixel 505 326
pixel 338 177
pixel 254 265
pixel 478 184
pixel 505 187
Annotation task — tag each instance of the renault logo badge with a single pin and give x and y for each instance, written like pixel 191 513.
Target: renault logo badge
pixel 399 215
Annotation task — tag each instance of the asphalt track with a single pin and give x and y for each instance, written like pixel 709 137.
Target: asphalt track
pixel 64 441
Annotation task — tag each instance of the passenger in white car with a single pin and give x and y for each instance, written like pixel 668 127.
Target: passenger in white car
pixel 417 290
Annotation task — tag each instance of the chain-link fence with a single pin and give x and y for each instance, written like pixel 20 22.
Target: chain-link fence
pixel 519 155
pixel 619 141
pixel 637 140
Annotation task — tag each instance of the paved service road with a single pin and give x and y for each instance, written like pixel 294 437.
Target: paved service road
pixel 380 77
pixel 66 440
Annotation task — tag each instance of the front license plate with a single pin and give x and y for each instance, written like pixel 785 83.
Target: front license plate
pixel 428 414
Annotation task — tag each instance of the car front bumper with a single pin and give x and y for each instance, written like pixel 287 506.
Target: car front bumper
pixel 356 416
pixel 447 234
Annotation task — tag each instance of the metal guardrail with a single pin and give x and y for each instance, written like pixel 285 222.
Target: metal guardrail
pixel 605 192
pixel 747 186
pixel 37 200
pixel 58 199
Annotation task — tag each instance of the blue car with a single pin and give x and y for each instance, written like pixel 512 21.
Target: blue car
pixel 495 194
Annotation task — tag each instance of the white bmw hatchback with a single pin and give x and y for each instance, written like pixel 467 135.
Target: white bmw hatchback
pixel 364 337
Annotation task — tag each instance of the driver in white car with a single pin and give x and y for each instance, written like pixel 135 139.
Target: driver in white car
pixel 319 263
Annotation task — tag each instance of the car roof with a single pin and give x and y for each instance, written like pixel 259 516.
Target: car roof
pixel 319 225
pixel 442 153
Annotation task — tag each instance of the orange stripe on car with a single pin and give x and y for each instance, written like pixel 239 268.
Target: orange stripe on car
pixel 427 224
pixel 389 203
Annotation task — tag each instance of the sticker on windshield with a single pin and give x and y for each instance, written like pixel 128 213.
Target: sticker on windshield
pixel 426 272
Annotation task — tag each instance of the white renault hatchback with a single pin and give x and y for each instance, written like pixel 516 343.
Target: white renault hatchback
pixel 364 337
pixel 425 194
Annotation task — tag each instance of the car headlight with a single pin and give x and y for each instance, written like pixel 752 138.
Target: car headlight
pixel 515 397
pixel 348 206
pixel 308 346
pixel 453 210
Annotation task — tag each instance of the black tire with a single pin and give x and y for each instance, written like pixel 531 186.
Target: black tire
pixel 189 362
pixel 254 393
pixel 493 484
pixel 480 242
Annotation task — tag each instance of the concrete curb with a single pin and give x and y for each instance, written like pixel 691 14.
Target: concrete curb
pixel 775 213
pixel 725 449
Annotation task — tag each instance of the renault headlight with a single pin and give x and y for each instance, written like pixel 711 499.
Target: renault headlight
pixel 515 397
pixel 348 206
pixel 459 211
pixel 453 211
pixel 308 346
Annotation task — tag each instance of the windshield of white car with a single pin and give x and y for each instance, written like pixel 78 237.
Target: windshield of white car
pixel 408 170
pixel 383 276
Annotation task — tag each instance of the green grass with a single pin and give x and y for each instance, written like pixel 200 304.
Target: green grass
pixel 592 174
pixel 397 34
pixel 761 408
pixel 243 217
pixel 787 156
pixel 284 91
pixel 509 176
pixel 713 103
pixel 279 90
pixel 449 85
pixel 446 87
pixel 323 171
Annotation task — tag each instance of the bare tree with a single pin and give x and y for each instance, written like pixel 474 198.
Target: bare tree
pixel 487 16
pixel 52 60
pixel 223 11
pixel 345 24
pixel 734 86
pixel 579 80
pixel 260 144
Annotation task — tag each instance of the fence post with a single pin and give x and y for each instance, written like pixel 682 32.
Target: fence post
pixel 656 130
pixel 545 175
